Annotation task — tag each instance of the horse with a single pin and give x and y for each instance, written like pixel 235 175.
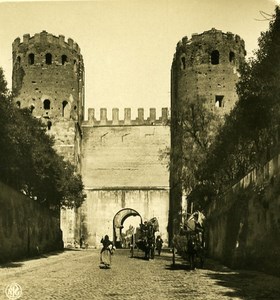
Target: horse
pixel 194 227
pixel 146 242
pixel 150 242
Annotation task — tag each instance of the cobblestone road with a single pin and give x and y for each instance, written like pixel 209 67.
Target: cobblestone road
pixel 75 274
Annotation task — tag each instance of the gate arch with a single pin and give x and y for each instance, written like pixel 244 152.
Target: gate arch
pixel 119 219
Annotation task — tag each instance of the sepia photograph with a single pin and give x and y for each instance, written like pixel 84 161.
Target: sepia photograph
pixel 140 150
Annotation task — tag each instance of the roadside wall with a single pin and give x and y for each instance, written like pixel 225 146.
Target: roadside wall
pixel 26 228
pixel 244 224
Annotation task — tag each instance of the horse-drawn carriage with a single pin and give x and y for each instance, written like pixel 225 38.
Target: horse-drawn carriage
pixel 190 243
pixel 144 238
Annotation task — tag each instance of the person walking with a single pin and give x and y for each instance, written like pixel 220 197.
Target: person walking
pixel 82 241
pixel 106 247
pixel 192 251
pixel 159 243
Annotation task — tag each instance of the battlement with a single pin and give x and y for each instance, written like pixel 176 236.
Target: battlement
pixel 212 34
pixel 127 121
pixel 46 38
pixel 212 47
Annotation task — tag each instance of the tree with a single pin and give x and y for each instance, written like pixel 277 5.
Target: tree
pixel 28 160
pixel 198 128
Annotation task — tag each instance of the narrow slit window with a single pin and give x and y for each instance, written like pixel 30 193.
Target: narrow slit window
pixel 215 57
pixel 183 62
pixel 64 106
pixel 231 56
pixel 64 59
pixel 48 59
pixel 31 58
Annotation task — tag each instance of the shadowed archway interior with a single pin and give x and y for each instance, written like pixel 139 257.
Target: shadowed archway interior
pixel 119 220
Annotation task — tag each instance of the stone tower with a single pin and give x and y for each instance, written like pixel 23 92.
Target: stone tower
pixel 207 66
pixel 48 77
pixel 204 67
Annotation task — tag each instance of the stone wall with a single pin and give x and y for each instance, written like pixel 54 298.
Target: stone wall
pixel 124 156
pixel 26 228
pixel 101 207
pixel 244 224
pixel 121 168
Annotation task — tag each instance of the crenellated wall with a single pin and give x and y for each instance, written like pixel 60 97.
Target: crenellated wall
pixel 122 168
pixel 125 154
pixel 140 120
pixel 45 37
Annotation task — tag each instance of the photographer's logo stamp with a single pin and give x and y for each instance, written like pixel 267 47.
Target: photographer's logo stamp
pixel 13 291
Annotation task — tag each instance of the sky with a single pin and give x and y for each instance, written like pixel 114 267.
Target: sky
pixel 128 45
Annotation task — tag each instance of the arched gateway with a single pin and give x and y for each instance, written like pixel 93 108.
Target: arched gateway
pixel 118 222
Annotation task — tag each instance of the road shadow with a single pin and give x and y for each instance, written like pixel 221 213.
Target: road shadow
pixel 20 262
pixel 180 263
pixel 239 284
pixel 139 257
pixel 10 265
pixel 46 255
pixel 176 267
pixel 247 285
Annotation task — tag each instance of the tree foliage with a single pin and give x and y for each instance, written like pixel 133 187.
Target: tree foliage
pixel 198 126
pixel 28 161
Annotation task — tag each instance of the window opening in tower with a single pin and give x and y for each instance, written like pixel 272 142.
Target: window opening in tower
pixel 48 59
pixel 64 59
pixel 215 57
pixel 183 60
pixel 47 104
pixel 31 58
pixel 219 101
pixel 64 104
pixel 231 56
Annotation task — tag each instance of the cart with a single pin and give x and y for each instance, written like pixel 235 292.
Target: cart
pixel 189 243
